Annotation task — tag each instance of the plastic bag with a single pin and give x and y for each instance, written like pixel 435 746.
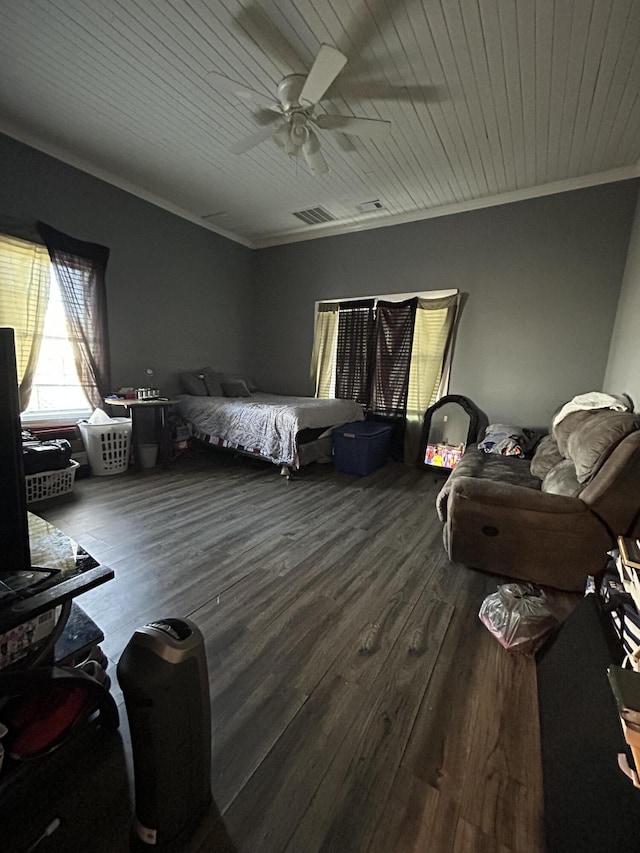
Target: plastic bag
pixel 99 416
pixel 518 615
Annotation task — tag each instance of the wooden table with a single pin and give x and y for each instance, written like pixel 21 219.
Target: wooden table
pixel 159 407
pixel 73 572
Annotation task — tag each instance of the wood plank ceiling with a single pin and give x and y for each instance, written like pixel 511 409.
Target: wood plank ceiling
pixel 488 100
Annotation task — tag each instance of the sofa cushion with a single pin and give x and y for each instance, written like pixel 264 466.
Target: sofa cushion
pixel 563 431
pixel 510 469
pixel 562 480
pixel 590 444
pixel 547 455
pixel 487 466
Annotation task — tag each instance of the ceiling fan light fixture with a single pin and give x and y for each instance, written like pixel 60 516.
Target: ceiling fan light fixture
pixel 312 154
pixel 299 132
pixel 283 138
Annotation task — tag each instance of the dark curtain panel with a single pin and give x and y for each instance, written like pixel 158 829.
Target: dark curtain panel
pixel 354 350
pixel 80 270
pixel 395 323
pixel 393 343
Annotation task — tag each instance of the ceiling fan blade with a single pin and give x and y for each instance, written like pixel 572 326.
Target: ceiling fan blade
pixel 251 141
pixel 266 116
pixel 368 20
pixel 343 142
pixel 224 84
pixel 383 91
pixel 253 23
pixel 374 128
pixel 312 154
pixel 327 65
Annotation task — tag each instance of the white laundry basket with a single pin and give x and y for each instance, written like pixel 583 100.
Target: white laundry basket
pixel 50 484
pixel 107 445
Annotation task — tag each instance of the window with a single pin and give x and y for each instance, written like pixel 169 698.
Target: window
pixel 409 359
pixel 56 393
pixel 54 297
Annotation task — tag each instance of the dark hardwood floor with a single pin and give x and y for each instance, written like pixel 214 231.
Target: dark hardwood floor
pixel 358 704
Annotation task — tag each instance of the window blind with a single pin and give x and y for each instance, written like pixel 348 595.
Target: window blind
pixel 354 350
pixel 24 295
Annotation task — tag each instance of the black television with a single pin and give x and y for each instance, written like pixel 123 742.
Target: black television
pixel 14 525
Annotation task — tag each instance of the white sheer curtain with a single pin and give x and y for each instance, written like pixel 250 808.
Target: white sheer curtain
pixel 80 271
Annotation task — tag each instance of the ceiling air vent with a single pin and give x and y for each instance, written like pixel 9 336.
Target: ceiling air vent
pixel 371 206
pixel 314 215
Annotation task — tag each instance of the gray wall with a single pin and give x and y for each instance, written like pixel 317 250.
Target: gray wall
pixel 623 368
pixel 177 294
pixel 541 280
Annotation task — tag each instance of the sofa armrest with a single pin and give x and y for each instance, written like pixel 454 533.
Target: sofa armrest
pixel 519 532
pixel 513 497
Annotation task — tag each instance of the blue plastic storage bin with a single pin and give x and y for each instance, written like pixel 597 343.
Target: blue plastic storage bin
pixel 361 447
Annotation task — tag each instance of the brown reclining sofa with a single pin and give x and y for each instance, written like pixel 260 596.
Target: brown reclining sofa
pixel 551 519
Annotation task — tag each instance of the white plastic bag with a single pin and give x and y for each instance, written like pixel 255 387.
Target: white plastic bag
pixel 99 417
pixel 518 615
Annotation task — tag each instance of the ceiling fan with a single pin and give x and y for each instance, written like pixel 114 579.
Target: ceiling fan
pixel 290 121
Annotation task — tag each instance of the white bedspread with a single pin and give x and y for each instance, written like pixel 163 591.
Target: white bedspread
pixel 264 423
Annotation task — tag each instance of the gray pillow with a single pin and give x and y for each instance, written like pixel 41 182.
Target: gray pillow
pixel 193 382
pixel 235 388
pixel 215 378
pixel 213 382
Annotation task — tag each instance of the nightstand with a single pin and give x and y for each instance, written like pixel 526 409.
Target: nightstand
pixel 159 407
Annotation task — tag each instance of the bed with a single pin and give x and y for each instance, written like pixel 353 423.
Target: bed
pixel 287 431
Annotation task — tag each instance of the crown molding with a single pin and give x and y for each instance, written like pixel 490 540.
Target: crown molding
pixel 333 229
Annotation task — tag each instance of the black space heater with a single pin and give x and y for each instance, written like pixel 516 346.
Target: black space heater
pixel 163 676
